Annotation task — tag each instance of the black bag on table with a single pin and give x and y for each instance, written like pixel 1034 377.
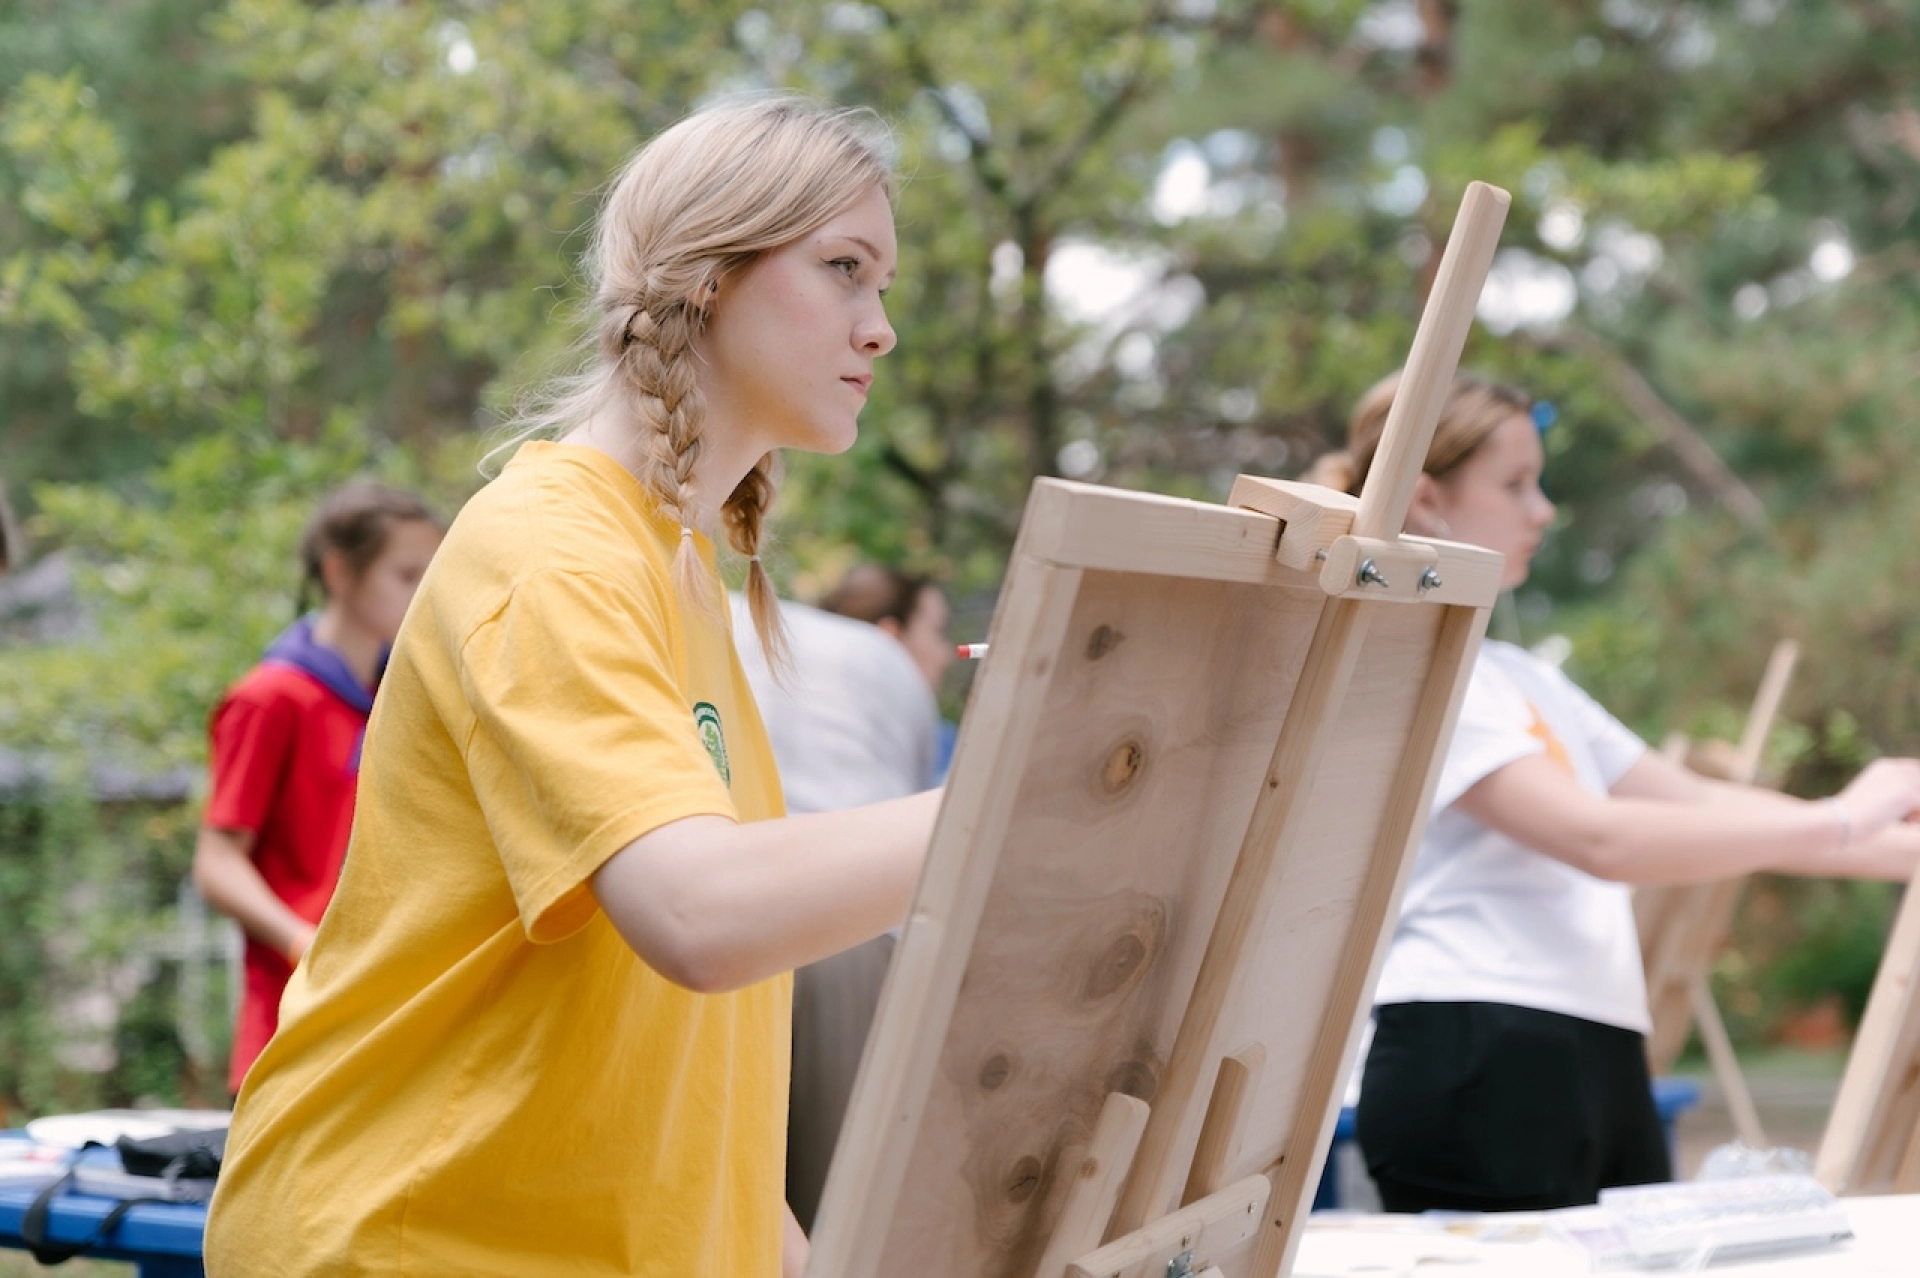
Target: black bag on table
pixel 177 1156
pixel 190 1154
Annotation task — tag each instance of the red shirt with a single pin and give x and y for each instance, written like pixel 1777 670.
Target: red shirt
pixel 283 770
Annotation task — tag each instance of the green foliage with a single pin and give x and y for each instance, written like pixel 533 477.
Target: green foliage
pixel 89 891
pixel 78 166
pixel 248 247
pixel 1843 929
pixel 183 583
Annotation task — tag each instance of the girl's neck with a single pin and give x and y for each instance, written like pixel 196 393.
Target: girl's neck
pixel 723 462
pixel 359 649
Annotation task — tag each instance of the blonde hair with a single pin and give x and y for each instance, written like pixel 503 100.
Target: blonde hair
pixel 1474 407
pixel 692 208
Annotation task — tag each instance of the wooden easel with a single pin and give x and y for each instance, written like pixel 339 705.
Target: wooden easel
pixel 1683 928
pixel 1872 1142
pixel 1187 791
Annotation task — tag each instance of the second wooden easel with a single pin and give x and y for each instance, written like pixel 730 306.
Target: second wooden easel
pixel 1683 929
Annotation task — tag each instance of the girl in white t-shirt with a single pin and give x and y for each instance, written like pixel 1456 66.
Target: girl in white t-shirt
pixel 1507 1069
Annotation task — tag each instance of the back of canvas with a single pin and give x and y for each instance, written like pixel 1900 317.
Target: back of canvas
pixel 1119 739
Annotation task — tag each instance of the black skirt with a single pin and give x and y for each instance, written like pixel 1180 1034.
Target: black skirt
pixel 1487 1107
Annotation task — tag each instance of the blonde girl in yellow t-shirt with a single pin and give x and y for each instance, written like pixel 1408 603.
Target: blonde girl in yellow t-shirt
pixel 543 1026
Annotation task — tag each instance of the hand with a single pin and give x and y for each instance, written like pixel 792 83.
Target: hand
pixel 297 946
pixel 794 1248
pixel 1886 791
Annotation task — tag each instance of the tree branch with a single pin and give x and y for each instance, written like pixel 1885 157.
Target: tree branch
pixel 979 153
pixel 1679 435
pixel 1109 113
pixel 900 464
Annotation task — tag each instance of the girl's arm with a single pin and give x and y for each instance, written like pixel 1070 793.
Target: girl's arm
pixel 1663 825
pixel 793 1247
pixel 224 871
pixel 714 905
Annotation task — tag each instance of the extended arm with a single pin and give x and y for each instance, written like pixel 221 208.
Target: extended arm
pixel 224 871
pixel 793 1247
pixel 1662 824
pixel 714 905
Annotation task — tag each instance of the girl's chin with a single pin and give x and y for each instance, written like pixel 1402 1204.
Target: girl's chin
pixel 829 442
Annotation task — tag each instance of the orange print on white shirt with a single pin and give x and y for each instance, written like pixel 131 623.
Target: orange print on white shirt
pixel 1539 730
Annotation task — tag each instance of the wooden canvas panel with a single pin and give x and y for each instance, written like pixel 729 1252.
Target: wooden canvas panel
pixel 1102 789
pixel 1872 1142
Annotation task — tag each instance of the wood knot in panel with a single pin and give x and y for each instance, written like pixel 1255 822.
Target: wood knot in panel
pixel 1103 640
pixel 995 1071
pixel 1024 1179
pixel 1123 950
pixel 1118 967
pixel 1123 766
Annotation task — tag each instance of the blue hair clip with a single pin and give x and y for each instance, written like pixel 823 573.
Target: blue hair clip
pixel 1544 415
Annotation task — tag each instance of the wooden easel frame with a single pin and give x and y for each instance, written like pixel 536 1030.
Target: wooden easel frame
pixel 1872 1141
pixel 1684 928
pixel 1121 1054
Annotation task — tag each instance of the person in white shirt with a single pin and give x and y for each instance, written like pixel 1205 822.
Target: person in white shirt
pixel 854 721
pixel 1507 1068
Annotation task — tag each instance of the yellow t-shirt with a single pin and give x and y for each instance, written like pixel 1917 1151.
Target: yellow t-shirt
pixel 473 1073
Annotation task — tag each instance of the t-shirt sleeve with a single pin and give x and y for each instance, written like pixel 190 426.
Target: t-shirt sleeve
pixel 582 739
pixel 1615 746
pixel 1492 732
pixel 252 739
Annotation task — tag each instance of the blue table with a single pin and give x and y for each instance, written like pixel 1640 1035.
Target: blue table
pixel 162 1239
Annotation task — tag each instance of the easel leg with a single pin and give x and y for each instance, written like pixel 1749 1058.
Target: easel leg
pixel 1726 1066
pixel 1906 1180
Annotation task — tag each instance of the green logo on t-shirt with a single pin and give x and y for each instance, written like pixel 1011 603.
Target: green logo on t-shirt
pixel 707 719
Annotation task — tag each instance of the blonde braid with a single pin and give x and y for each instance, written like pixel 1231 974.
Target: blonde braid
pixel 653 343
pixel 745 512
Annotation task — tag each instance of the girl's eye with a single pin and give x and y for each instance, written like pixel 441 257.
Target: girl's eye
pixel 845 265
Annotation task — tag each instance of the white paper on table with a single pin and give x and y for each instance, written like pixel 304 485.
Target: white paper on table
pixel 1379 1247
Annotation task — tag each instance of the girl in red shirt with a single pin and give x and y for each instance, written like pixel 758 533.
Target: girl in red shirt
pixel 286 742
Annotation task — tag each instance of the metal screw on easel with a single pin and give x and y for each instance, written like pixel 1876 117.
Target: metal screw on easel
pixel 1181 1266
pixel 1370 574
pixel 1429 580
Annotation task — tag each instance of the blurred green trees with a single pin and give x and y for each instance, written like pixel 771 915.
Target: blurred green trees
pixel 250 246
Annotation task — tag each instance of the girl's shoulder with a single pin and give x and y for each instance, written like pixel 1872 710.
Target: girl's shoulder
pixel 561 507
pixel 1500 669
pixel 273 686
pixel 1511 666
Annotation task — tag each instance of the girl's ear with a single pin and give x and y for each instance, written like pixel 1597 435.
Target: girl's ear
pixel 1426 512
pixel 336 575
